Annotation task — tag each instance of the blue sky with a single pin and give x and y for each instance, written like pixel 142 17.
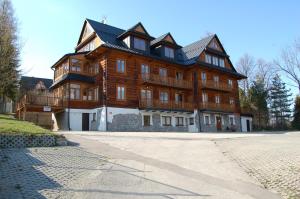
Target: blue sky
pixel 50 28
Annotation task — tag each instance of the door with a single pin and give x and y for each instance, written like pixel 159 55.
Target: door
pixel 85 121
pixel 219 123
pixel 248 125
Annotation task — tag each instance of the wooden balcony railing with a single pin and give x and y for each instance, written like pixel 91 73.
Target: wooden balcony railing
pixel 210 84
pixel 41 100
pixel 166 81
pixel 217 107
pixel 170 105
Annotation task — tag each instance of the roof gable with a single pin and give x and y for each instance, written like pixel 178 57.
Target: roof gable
pixel 138 28
pixel 167 38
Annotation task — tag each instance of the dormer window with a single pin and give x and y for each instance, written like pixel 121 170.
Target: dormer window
pixel 169 52
pixel 139 44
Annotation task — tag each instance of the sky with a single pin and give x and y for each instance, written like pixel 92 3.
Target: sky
pixel 50 28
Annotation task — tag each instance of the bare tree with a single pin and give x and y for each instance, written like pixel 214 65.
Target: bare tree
pixel 289 63
pixel 265 72
pixel 246 66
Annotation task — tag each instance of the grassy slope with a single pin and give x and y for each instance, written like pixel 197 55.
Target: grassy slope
pixel 12 126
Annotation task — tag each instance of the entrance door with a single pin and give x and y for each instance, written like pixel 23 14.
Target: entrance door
pixel 248 125
pixel 219 123
pixel 85 121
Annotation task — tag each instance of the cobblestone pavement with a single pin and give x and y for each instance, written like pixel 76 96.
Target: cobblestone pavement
pixel 71 172
pixel 43 172
pixel 273 160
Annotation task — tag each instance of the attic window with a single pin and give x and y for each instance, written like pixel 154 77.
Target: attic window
pixel 214 45
pixel 139 44
pixel 169 52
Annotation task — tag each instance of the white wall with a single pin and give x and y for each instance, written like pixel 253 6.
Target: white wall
pixel 244 123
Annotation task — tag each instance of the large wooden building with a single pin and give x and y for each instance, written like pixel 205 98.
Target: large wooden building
pixel 128 80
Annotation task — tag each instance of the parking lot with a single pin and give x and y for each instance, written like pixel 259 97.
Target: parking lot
pixel 156 165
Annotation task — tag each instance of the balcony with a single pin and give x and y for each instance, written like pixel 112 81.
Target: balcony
pixel 209 84
pixel 171 105
pixel 166 81
pixel 41 100
pixel 217 107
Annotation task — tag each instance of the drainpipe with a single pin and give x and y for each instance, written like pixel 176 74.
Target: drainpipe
pixel 106 93
pixel 69 106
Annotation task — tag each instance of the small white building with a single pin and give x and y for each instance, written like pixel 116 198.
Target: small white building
pixel 246 122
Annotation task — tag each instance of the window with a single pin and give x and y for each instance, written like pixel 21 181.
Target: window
pixel 203 77
pixel 90 94
pixel 75 65
pixel 162 72
pixel 216 80
pixel 230 83
pixel 121 66
pixel 231 120
pixel 178 98
pixel 191 119
pixel 120 92
pixel 208 58
pixel 231 101
pixel 217 99
pixel 169 52
pixel 166 120
pixel 75 92
pixel 146 94
pixel 206 119
pixel 179 76
pixel 139 44
pixel 204 98
pixel 88 47
pixel 215 61
pixel 146 97
pixel 214 45
pixel 146 120
pixel 164 97
pixel 145 69
pixel 221 62
pixel 179 121
pixel 65 66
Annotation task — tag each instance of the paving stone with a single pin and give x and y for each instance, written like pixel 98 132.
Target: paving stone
pixel 273 160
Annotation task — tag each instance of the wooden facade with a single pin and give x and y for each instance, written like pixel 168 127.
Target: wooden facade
pixel 145 73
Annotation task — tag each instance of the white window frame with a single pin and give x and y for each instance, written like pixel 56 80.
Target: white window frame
pixel 121 92
pixel 183 119
pixel 222 60
pixel 122 64
pixel 209 119
pixel 161 120
pixel 231 116
pixel 204 97
pixel 208 58
pixel 230 83
pixel 151 118
pixel 217 99
pixel 145 69
pixel 215 61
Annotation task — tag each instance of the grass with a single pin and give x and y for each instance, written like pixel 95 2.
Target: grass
pixel 9 125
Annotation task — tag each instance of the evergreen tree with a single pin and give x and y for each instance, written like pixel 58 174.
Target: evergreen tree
pixel 296 120
pixel 258 96
pixel 9 51
pixel 280 103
